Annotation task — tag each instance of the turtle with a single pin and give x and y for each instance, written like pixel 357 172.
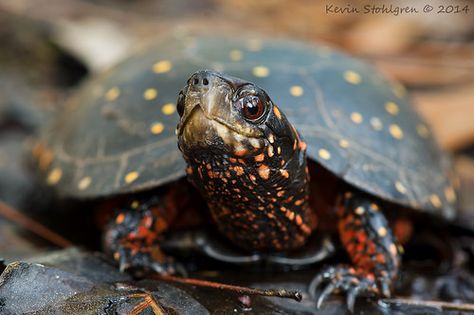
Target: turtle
pixel 248 149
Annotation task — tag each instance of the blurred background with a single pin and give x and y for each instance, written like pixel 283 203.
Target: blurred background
pixel 49 46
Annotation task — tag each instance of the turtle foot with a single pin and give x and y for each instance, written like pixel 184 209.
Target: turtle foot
pixel 349 280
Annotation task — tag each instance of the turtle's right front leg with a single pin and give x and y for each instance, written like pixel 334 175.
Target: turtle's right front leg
pixel 132 236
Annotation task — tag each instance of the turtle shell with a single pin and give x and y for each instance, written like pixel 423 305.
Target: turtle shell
pixel 117 134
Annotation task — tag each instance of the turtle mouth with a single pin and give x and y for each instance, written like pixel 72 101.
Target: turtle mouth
pixel 188 116
pixel 197 132
pixel 185 118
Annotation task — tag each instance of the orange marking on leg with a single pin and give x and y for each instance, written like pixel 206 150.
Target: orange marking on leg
pixel 147 221
pixel 120 218
pixel 380 258
pixel 361 237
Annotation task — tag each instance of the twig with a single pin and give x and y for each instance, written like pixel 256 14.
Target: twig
pixel 29 224
pixel 435 304
pixel 281 293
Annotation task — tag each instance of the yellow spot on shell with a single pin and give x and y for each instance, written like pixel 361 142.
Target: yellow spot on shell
pixel 343 143
pixel 450 194
pixel 45 159
pixel 84 183
pixel 400 187
pixel 352 77
pixel 399 90
pixel 168 109
pixel 359 210
pixel 396 131
pixel 393 249
pixel 324 154
pixel 376 123
pixel 235 55
pixel 157 128
pixel 54 176
pixel 162 66
pixel 356 118
pixel 392 108
pixel 150 94
pixel 135 204
pixel 131 177
pixel 254 45
pixel 435 201
pixel 260 71
pixel 401 250
pixel 422 130
pixel 296 90
pixel 382 232
pixel 112 94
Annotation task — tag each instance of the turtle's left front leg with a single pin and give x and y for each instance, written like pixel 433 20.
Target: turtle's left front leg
pixel 133 235
pixel 372 247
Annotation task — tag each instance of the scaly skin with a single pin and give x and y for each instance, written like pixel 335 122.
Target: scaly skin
pixel 372 248
pixel 249 163
pixel 132 236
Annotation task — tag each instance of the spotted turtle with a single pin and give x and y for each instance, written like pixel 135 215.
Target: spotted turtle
pixel 250 149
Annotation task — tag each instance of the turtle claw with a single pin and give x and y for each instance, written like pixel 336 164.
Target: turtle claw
pixel 325 293
pixel 384 288
pixel 344 278
pixel 351 298
pixel 168 268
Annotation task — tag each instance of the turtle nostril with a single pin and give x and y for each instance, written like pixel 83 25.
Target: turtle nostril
pixel 201 80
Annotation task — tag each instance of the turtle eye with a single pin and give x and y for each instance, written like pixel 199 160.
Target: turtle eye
pixel 252 107
pixel 180 104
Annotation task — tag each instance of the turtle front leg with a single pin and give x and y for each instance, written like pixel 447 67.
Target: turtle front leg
pixel 132 236
pixel 373 249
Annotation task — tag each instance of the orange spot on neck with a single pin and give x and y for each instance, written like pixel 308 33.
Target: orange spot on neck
pixel 241 152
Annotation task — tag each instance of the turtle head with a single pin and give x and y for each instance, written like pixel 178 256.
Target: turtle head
pixel 220 114
pixel 245 158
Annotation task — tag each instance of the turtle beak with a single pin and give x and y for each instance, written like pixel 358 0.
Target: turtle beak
pixel 204 91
